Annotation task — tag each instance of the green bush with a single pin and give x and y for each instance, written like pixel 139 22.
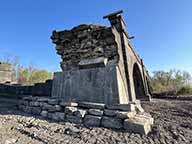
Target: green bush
pixel 185 90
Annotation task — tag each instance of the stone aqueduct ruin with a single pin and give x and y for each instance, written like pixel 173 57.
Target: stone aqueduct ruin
pixel 102 81
pixel 99 64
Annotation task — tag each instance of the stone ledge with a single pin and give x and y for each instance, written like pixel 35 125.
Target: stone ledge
pixel 91 105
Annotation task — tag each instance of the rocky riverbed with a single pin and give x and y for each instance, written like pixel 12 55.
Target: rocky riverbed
pixel 173 125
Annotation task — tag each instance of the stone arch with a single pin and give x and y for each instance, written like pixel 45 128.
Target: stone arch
pixel 138 82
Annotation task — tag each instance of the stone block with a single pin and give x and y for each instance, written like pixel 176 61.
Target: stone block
pixel 113 123
pixel 58 108
pixel 73 119
pixel 34 103
pixel 71 104
pixel 125 115
pixel 146 116
pixel 49 108
pixel 58 116
pixel 122 107
pixel 96 112
pixel 90 105
pixel 137 125
pixel 92 63
pixel 44 113
pixel 27 109
pixel 111 113
pixel 43 99
pixel 50 115
pixel 41 104
pixel 35 110
pixel 90 120
pixel 95 85
pixel 110 40
pixel 53 101
pixel 70 110
pixel 29 98
pixel 80 113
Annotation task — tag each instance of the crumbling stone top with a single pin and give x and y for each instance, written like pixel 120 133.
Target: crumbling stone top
pixel 84 42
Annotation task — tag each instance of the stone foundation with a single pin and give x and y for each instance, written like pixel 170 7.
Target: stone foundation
pixel 127 117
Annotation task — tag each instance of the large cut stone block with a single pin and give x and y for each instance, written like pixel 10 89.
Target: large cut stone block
pixel 124 115
pixel 50 108
pixel 95 112
pixel 122 107
pixel 36 110
pixel 138 125
pixel 90 105
pixel 58 116
pixel 70 110
pixel 97 85
pixel 80 113
pixel 110 122
pixel 90 120
pixel 53 101
pixel 70 104
pixel 44 113
pixel 92 63
pixel 73 119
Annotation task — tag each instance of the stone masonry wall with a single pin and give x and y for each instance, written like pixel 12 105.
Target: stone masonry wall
pixel 84 42
pixel 128 117
pixel 38 89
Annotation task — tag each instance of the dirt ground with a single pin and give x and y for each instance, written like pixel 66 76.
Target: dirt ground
pixel 173 125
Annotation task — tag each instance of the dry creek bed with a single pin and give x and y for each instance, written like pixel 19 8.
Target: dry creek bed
pixel 173 125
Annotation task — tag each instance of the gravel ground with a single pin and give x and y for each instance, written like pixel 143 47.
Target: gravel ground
pixel 173 125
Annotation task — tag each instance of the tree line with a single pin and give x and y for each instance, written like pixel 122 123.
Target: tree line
pixel 174 81
pixel 26 75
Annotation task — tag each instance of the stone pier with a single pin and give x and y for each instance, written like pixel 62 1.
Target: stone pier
pixel 102 81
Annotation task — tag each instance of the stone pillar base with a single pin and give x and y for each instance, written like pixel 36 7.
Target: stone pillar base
pixel 127 117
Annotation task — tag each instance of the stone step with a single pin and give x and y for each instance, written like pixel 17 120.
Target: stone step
pixel 141 123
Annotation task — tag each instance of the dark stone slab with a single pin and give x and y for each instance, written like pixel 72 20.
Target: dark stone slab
pixel 90 120
pixel 113 123
pixel 90 105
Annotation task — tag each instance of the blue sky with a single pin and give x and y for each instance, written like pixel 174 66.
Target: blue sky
pixel 162 29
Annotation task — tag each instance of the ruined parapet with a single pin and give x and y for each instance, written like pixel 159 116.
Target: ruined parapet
pixel 84 42
pixel 5 72
pixel 90 61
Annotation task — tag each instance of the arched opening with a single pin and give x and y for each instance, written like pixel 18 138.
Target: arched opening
pixel 138 83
